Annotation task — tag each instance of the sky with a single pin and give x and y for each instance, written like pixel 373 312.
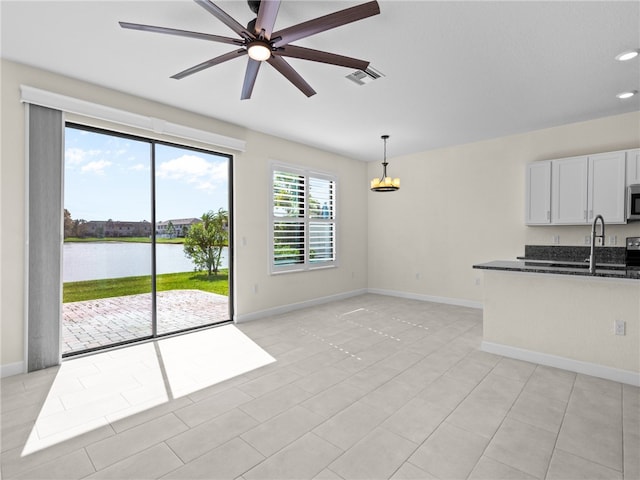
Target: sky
pixel 109 177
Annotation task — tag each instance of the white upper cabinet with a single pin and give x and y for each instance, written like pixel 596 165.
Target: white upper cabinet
pixel 633 167
pixel 606 194
pixel 538 188
pixel 572 191
pixel 569 190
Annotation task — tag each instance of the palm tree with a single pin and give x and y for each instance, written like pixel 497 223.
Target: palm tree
pixel 204 241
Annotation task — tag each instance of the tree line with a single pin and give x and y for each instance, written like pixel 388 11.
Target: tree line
pixel 203 243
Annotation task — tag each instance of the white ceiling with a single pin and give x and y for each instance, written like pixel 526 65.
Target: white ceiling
pixel 455 72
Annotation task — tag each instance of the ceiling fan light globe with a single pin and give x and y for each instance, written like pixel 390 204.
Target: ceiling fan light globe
pixel 259 51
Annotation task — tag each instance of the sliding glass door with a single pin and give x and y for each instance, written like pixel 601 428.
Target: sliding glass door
pixel 141 256
pixel 192 233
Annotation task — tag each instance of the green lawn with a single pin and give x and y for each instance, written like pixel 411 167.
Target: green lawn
pixel 122 239
pixel 117 287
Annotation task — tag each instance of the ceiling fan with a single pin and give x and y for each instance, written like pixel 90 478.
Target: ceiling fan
pixel 261 43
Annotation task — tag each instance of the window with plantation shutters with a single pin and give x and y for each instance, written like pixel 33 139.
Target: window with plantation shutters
pixel 302 219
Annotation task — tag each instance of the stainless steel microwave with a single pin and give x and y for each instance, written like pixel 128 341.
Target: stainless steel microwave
pixel 633 202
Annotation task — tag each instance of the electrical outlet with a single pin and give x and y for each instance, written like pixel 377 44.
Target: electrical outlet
pixel 255 288
pixel 587 239
pixel 556 239
pixel 619 327
pixel 418 276
pixel 613 240
pixel 477 281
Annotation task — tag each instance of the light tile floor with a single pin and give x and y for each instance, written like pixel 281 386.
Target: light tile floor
pixel 369 387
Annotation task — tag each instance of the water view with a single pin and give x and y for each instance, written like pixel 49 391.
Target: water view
pixel 112 185
pixel 95 260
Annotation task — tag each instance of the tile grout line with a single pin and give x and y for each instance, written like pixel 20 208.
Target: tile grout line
pixel 128 430
pixel 579 455
pixel 450 413
pixel 332 416
pixel 555 443
pixel 255 398
pixel 310 431
pixel 177 456
pixel 502 421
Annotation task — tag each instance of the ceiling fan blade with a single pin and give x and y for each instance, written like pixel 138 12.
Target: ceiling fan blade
pixel 267 17
pixel 225 18
pixel 327 22
pixel 209 63
pixel 320 56
pixel 290 74
pixel 253 66
pixel 180 33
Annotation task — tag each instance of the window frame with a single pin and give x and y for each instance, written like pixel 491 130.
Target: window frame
pixel 306 219
pixel 153 143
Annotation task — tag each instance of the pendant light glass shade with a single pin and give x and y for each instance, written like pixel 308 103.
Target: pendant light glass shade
pixel 385 183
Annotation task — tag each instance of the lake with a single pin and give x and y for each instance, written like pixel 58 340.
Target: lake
pixel 95 260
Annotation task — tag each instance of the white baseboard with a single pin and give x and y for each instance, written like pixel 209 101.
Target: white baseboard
pixel 460 302
pixel 319 301
pixel 11 369
pixel 296 306
pixel 578 366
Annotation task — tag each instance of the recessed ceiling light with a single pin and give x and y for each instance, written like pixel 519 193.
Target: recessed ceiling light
pixel 627 55
pixel 629 94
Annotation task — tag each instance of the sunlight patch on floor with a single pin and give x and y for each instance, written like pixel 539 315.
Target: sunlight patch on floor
pixel 96 390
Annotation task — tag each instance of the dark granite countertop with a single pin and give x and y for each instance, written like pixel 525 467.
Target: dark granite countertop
pixel 602 270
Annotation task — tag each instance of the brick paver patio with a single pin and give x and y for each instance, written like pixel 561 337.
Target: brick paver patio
pixel 97 323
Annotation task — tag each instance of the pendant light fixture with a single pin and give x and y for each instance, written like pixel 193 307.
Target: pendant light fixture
pixel 385 183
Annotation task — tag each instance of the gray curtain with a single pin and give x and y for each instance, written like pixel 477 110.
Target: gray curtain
pixel 44 301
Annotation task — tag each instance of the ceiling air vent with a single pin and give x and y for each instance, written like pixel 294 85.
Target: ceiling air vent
pixel 362 77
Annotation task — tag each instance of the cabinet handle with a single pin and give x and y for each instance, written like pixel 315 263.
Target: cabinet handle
pixel 548 215
pixel 585 215
pixel 590 214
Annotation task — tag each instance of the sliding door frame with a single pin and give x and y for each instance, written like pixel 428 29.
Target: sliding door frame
pixel 230 249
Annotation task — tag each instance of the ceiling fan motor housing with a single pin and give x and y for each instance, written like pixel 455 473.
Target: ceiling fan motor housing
pixel 254 5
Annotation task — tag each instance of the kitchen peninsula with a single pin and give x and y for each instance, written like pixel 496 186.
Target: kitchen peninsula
pixel 552 311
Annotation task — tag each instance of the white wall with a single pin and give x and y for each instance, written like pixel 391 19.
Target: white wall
pixel 457 206
pixel 251 182
pixel 258 292
pixel 464 205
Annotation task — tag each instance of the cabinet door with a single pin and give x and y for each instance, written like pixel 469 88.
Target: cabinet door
pixel 606 186
pixel 538 196
pixel 569 190
pixel 633 167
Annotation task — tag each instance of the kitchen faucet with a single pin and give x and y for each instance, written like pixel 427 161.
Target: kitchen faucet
pixel 592 255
